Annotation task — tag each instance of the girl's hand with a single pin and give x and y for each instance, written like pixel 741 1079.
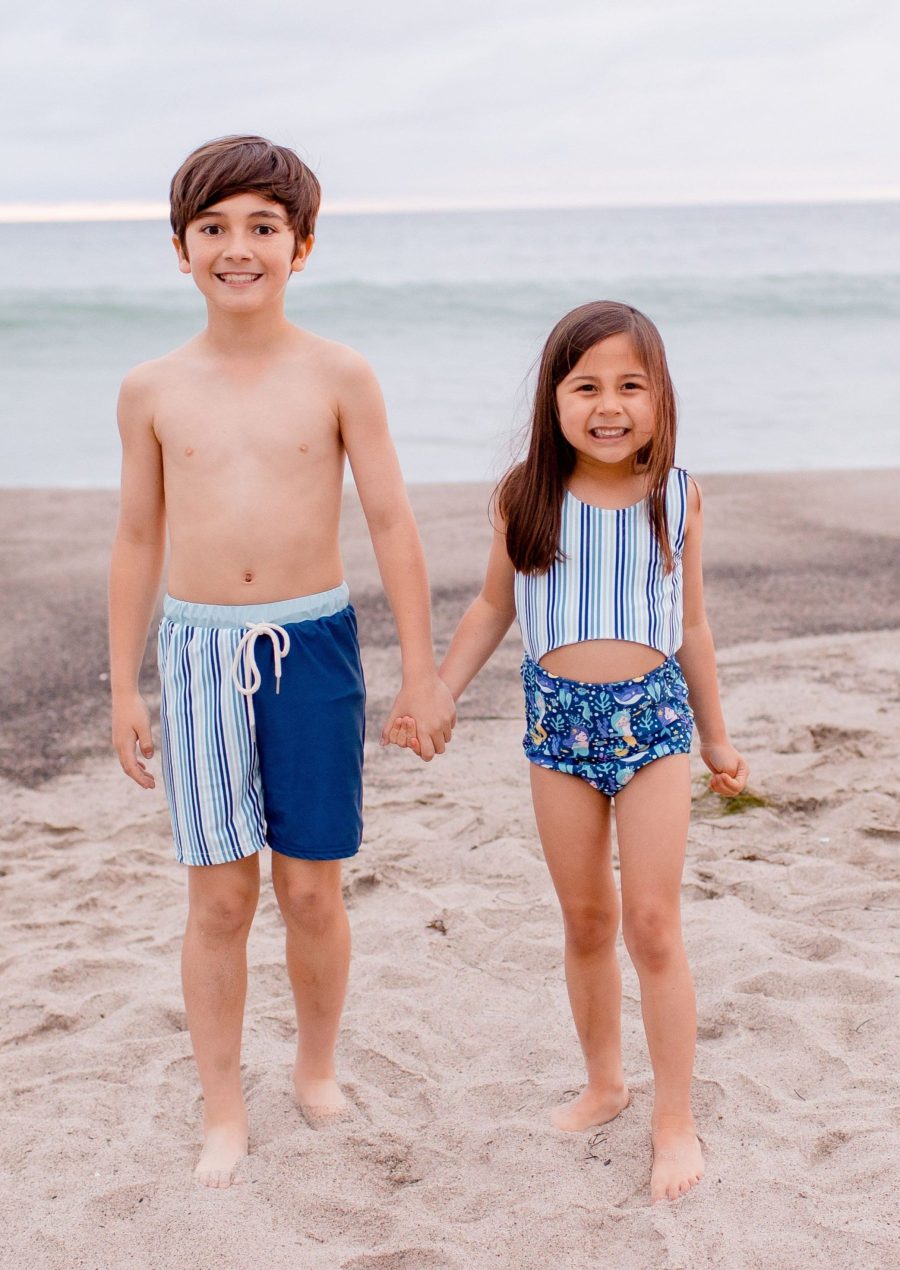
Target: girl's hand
pixel 729 769
pixel 402 732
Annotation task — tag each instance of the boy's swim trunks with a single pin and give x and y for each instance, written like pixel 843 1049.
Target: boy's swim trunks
pixel 604 733
pixel 263 719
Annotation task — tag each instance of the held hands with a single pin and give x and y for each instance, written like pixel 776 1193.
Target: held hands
pixel 131 732
pixel 422 717
pixel 729 769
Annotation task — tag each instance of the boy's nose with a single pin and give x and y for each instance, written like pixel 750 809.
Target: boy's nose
pixel 238 249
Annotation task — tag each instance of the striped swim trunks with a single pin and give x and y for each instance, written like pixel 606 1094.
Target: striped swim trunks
pixel 262 717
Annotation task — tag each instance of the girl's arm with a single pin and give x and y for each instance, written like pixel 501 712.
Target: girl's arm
pixel 485 621
pixel 697 657
pixel 483 625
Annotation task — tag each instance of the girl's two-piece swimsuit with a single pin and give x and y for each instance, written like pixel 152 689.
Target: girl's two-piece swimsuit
pixel 608 582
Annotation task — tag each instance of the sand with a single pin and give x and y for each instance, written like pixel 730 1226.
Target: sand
pixel 457 1036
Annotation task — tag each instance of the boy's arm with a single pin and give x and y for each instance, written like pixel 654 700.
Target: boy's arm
pixel 398 550
pixel 697 658
pixel 134 573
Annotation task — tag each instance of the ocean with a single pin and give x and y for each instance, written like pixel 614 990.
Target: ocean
pixel 781 325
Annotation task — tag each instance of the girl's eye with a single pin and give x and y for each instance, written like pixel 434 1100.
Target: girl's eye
pixel 631 385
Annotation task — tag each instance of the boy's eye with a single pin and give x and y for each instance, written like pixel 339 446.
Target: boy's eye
pixel 211 230
pixel 265 230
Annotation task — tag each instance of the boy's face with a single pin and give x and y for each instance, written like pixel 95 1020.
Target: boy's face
pixel 241 252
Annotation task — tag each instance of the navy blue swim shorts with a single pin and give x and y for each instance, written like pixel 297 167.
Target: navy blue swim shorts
pixel 263 721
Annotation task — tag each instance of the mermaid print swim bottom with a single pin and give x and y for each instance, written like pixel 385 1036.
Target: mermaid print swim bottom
pixel 605 732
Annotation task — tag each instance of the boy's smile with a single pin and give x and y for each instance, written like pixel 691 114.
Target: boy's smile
pixel 243 245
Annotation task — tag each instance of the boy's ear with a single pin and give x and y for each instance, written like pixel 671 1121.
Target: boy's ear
pixel 183 263
pixel 303 251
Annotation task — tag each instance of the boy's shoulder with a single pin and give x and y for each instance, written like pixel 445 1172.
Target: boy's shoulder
pixel 331 356
pixel 146 376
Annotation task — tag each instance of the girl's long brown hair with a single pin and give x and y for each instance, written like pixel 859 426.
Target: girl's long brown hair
pixel 530 495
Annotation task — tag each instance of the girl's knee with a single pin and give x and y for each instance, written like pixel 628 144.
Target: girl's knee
pixel 652 935
pixel 590 927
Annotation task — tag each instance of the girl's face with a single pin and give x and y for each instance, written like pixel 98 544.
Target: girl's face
pixel 605 404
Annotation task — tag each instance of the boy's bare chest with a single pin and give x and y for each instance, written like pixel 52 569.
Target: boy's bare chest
pixel 224 426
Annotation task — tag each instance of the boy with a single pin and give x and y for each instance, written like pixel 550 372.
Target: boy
pixel 235 443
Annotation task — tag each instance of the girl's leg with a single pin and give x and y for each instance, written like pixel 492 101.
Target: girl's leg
pixel 317 947
pixel 222 900
pixel 652 814
pixel 573 822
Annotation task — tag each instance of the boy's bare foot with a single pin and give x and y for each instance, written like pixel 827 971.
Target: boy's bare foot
pixel 224 1146
pixel 591 1107
pixel 320 1101
pixel 677 1158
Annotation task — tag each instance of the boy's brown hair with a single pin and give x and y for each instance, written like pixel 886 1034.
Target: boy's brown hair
pixel 242 165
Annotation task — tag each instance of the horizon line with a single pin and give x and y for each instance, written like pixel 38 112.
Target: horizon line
pixel 71 212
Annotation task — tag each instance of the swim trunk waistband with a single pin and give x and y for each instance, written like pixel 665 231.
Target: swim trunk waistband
pixel 304 608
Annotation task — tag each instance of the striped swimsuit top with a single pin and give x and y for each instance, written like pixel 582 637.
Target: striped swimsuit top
pixel 610 582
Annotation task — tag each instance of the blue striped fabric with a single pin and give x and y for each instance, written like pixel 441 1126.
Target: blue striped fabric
pixel 210 761
pixel 611 582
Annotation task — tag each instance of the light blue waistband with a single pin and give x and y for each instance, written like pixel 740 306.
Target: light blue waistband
pixel 305 608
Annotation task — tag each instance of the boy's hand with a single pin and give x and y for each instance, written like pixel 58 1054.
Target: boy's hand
pixel 131 728
pixel 403 732
pixel 423 715
pixel 729 769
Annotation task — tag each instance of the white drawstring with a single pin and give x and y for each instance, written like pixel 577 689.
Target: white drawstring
pixel 245 659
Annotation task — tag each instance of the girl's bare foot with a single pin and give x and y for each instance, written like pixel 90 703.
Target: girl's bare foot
pixel 224 1146
pixel 591 1107
pixel 677 1157
pixel 320 1101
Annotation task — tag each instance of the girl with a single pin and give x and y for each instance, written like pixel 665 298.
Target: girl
pixel 596 551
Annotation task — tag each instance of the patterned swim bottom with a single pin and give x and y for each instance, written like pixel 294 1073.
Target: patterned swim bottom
pixel 604 733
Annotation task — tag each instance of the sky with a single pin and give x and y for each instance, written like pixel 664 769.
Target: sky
pixel 411 103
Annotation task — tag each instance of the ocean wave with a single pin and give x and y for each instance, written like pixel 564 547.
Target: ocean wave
pixel 686 299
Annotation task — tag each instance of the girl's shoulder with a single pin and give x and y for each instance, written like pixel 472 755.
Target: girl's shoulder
pixel 682 480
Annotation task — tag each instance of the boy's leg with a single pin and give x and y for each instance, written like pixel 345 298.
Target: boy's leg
pixel 652 815
pixel 573 823
pixel 222 901
pixel 318 960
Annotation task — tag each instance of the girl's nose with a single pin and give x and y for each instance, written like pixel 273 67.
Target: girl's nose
pixel 608 404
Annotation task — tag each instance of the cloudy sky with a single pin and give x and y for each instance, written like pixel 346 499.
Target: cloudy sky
pixel 474 102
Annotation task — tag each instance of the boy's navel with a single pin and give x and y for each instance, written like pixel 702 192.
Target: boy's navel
pixel 248 576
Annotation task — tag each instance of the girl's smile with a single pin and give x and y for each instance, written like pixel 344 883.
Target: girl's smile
pixel 605 405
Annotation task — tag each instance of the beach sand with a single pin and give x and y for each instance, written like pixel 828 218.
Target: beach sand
pixel 457 1037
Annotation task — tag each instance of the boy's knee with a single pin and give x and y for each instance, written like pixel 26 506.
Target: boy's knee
pixel 652 936
pixel 225 914
pixel 310 902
